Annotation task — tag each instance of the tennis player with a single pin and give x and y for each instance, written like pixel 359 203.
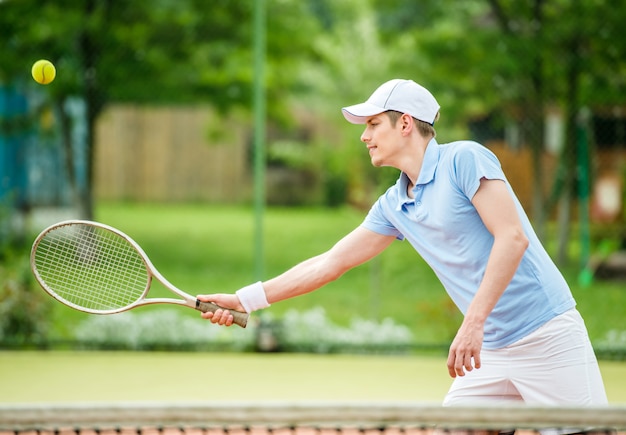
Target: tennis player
pixel 521 338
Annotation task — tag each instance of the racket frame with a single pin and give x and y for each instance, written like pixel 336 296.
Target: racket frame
pixel 187 300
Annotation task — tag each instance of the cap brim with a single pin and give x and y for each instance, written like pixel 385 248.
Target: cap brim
pixel 359 113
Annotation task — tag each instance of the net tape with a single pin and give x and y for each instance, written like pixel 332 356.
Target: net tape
pixel 304 418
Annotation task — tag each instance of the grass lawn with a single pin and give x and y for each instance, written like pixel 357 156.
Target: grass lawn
pixel 209 248
pixel 46 377
pixel 205 248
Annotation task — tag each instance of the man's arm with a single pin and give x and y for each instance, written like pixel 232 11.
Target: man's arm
pixel 499 214
pixel 354 249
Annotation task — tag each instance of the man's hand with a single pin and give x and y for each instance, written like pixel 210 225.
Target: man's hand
pixel 228 301
pixel 465 349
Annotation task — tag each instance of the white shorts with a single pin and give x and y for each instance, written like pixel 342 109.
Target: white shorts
pixel 553 366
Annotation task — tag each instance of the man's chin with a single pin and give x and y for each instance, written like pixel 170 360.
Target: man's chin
pixel 376 163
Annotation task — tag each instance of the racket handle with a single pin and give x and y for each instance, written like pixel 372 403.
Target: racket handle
pixel 239 318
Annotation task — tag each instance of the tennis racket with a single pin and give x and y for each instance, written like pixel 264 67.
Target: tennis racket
pixel 97 269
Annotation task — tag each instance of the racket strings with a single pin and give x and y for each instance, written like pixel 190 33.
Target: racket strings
pixel 91 267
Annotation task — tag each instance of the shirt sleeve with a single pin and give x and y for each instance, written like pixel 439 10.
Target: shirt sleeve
pixel 474 162
pixel 377 222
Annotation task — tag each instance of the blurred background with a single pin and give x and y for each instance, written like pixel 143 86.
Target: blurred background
pixel 225 114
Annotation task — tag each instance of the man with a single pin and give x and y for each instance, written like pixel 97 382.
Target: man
pixel 454 205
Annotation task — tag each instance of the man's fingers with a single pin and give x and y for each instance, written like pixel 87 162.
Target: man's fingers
pixel 222 317
pixel 460 362
pixel 477 361
pixel 468 363
pixel 219 317
pixel 458 367
pixel 227 318
pixel 452 360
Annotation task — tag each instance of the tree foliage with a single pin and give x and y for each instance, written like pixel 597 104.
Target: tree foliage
pixel 508 58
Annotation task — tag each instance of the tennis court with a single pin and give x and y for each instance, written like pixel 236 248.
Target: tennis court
pixel 158 393
pixel 53 377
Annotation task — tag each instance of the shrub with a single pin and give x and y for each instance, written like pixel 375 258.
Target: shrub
pixel 23 310
pixel 160 329
pixel 613 346
pixel 311 331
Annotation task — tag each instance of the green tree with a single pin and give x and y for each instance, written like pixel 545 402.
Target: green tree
pixel 505 57
pixel 158 52
pixel 515 58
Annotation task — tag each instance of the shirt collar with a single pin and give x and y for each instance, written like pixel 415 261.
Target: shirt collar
pixel 426 175
pixel 429 165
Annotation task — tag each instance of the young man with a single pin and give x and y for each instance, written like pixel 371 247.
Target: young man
pixel 454 205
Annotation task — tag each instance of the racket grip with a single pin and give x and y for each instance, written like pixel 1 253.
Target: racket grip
pixel 239 318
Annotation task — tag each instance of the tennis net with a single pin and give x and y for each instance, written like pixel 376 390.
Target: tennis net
pixel 302 419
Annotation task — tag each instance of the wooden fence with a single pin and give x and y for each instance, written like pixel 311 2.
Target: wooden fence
pixel 167 154
pixel 171 154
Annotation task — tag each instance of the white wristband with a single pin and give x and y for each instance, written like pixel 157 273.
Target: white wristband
pixel 252 297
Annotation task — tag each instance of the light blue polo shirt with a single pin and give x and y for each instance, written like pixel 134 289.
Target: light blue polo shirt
pixel 445 229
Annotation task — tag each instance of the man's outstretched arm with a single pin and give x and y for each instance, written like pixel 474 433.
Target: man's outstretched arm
pixel 354 249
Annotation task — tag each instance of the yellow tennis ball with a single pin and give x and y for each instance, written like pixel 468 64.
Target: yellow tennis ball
pixel 43 71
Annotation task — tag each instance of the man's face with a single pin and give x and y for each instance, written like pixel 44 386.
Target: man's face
pixel 382 139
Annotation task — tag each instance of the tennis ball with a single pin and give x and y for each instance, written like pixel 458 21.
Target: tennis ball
pixel 43 71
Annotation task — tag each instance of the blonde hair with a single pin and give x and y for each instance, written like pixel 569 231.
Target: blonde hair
pixel 425 129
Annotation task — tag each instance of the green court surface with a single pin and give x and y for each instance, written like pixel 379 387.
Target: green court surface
pixel 51 377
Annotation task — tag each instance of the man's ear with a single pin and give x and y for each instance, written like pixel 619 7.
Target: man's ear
pixel 406 123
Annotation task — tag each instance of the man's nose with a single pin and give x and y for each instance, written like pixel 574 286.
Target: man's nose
pixel 365 137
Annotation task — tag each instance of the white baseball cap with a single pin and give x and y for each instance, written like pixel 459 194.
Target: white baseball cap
pixel 403 96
